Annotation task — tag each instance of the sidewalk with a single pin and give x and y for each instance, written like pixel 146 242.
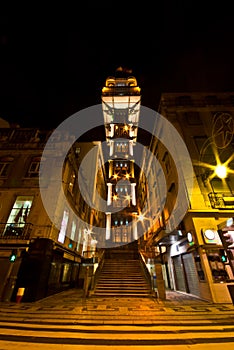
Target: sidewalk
pixel 74 296
pixel 71 308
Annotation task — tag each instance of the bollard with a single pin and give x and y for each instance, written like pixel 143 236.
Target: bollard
pixel 160 282
pixel 86 281
pixel 19 294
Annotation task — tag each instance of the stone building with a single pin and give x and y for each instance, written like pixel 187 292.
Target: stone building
pixel 193 251
pixel 39 251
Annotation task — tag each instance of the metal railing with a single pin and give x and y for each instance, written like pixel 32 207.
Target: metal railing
pixel 221 200
pixel 25 230
pixel 195 100
pixel 146 272
pixel 91 257
pixel 15 230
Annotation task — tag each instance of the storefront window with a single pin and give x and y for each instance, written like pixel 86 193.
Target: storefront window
pixel 217 266
pixel 199 268
pixel 66 273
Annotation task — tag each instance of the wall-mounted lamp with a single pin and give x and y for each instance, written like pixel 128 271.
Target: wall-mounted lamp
pixel 221 171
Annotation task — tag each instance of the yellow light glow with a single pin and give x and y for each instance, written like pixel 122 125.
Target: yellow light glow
pixel 115 197
pixel 141 217
pixel 221 171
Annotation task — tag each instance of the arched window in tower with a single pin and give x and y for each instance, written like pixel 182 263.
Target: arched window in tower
pixel 125 148
pixel 118 147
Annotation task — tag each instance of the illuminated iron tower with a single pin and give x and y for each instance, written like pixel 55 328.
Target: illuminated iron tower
pixel 121 98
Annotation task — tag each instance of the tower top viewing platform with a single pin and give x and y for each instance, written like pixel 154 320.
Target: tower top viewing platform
pixel 121 98
pixel 121 84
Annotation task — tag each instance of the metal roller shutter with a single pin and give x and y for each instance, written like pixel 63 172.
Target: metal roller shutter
pixel 191 274
pixel 179 274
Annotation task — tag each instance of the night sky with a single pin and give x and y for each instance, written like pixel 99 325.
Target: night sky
pixel 54 62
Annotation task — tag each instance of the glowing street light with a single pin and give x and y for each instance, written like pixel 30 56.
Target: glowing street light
pixel 115 197
pixel 221 171
pixel 141 217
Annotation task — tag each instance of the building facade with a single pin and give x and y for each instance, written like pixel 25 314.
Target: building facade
pixel 43 253
pixel 40 253
pixel 195 255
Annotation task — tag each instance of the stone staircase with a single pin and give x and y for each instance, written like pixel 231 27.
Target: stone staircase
pixel 122 276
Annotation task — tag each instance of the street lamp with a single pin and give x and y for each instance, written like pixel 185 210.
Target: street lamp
pixel 221 171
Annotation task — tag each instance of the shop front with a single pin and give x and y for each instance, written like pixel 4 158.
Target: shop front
pixel 201 266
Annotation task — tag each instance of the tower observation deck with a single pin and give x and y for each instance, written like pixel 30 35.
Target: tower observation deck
pixel 121 99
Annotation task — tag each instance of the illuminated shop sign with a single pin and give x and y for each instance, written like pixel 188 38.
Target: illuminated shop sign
pixel 227 234
pixel 210 236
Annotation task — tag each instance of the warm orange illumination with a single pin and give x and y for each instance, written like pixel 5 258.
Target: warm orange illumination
pixel 115 197
pixel 221 171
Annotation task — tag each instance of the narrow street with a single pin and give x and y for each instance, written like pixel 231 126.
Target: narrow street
pixel 67 319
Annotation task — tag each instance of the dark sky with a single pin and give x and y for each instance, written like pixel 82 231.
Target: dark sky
pixel 54 62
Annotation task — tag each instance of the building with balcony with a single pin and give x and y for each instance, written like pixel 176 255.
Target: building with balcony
pixel 192 253
pixel 182 221
pixel 40 253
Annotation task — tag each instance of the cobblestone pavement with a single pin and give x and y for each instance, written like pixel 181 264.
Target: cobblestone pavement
pixel 71 307
pixel 66 319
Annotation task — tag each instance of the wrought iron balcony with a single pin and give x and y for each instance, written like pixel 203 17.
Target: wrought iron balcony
pixel 15 230
pixel 221 200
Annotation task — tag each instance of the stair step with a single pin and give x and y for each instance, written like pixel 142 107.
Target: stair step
pixel 122 276
pixel 113 290
pixel 122 290
pixel 123 294
pixel 121 286
pixel 133 277
pixel 119 281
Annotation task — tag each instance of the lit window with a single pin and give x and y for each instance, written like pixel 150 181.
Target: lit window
pixel 18 216
pixel 73 230
pixel 72 182
pixel 63 229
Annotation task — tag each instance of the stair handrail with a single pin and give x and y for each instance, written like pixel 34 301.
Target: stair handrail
pixel 92 259
pixel 97 272
pixel 146 272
